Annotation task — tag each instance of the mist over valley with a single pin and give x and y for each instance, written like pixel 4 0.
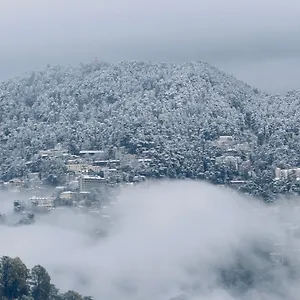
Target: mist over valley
pixel 167 239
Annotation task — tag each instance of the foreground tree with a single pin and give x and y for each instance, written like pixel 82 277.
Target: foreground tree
pixel 13 278
pixel 40 283
pixel 54 293
pixel 17 282
pixel 71 295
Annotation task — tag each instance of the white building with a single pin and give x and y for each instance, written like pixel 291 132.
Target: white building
pixel 46 203
pixel 89 183
pixel 283 174
pixel 225 142
pixel 57 151
pixel 84 168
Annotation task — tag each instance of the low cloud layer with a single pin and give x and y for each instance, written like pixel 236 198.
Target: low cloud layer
pixel 166 239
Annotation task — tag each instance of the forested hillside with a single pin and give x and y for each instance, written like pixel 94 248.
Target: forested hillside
pixel 174 111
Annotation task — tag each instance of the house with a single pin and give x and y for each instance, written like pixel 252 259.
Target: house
pixel 113 175
pixel 57 151
pixel 237 183
pixel 139 178
pixel 98 153
pixel 67 195
pixel 231 152
pixel 16 183
pixel 119 152
pixel 225 142
pixel 83 168
pixel 33 180
pixel 101 163
pixel 229 160
pixel 225 139
pixel 145 162
pixel 243 147
pixel 75 167
pixel 113 163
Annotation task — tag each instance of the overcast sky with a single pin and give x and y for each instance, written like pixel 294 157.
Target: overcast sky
pixel 257 41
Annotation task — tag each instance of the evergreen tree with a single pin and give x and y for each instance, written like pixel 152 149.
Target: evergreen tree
pixel 40 283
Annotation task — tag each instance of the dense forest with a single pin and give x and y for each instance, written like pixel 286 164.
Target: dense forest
pixel 19 282
pixel 175 112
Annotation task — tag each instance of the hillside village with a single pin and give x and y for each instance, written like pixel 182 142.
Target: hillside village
pixel 89 176
pixel 127 122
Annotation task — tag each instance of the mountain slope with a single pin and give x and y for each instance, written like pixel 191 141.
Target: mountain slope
pixel 174 110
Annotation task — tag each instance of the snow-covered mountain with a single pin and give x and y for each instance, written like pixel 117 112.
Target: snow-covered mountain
pixel 176 111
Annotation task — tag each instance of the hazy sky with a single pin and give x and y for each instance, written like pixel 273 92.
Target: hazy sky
pixel 168 238
pixel 258 41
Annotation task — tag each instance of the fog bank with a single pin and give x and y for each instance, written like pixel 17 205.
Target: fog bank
pixel 167 239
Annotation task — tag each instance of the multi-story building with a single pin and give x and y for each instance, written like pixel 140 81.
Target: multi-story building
pixel 89 183
pixel 42 203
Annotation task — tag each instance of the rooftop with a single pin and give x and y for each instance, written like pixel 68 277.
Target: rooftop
pixel 91 152
pixel 93 177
